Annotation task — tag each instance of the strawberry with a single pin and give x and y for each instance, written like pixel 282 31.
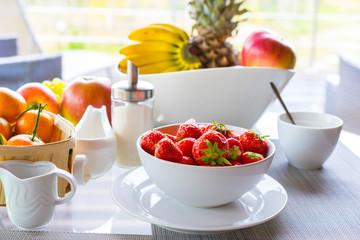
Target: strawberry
pixel 191 121
pixel 220 127
pixel 253 142
pixel 172 137
pixel 211 149
pixel 233 134
pixel 189 129
pixel 186 146
pixel 207 127
pixel 251 157
pixel 167 150
pixel 235 162
pixel 187 160
pixel 235 149
pixel 149 141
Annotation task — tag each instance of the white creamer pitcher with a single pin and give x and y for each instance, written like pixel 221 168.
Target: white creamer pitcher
pixel 95 149
pixel 31 192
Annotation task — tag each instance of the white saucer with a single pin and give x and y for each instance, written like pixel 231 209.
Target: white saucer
pixel 135 193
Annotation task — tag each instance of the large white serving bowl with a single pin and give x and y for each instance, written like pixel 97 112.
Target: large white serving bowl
pixel 201 186
pixel 235 95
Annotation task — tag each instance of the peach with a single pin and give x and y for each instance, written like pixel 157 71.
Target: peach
pixel 81 93
pixel 265 49
pixel 35 93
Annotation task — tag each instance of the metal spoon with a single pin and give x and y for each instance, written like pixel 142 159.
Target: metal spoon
pixel 282 102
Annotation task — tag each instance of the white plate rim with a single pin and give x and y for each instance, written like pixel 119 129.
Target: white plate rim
pixel 175 227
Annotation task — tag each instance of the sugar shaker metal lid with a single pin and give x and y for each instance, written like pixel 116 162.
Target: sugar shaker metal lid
pixel 132 90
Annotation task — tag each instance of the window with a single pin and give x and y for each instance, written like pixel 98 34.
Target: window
pixel 317 29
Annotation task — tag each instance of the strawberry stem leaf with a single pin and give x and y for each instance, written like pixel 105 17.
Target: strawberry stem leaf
pixel 213 155
pixel 221 127
pixel 253 155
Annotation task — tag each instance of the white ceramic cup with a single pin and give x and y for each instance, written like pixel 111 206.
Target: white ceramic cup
pixel 309 143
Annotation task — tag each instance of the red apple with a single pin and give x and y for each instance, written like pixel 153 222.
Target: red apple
pixel 35 93
pixel 265 49
pixel 81 93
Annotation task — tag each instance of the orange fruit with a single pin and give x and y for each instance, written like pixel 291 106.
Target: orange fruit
pixel 23 140
pixel 3 140
pixel 26 123
pixel 11 104
pixel 5 128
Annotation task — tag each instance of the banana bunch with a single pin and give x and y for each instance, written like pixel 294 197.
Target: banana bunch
pixel 160 48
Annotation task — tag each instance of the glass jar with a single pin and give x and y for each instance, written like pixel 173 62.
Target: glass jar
pixel 132 115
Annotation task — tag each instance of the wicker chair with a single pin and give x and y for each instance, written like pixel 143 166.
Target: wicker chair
pixel 16 70
pixel 343 98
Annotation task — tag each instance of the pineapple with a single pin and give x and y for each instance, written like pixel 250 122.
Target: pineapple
pixel 214 23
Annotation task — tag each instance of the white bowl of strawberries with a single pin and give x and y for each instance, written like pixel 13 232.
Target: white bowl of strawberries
pixel 204 165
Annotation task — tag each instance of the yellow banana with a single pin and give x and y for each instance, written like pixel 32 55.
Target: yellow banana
pixel 156 33
pixel 158 67
pixel 193 66
pixel 148 68
pixel 175 68
pixel 163 66
pixel 123 65
pixel 184 36
pixel 151 57
pixel 152 46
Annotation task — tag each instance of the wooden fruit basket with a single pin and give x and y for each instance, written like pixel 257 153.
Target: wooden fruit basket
pixel 58 151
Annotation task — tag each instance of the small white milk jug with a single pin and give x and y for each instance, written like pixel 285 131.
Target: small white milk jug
pixel 95 149
pixel 31 192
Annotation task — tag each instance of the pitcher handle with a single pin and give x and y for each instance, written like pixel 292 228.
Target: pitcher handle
pixel 79 169
pixel 67 176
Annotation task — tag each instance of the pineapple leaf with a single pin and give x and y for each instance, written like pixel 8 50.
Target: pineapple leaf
pixel 207 8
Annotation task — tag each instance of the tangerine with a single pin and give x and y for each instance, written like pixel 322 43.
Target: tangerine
pixel 11 104
pixel 24 140
pixel 5 128
pixel 26 123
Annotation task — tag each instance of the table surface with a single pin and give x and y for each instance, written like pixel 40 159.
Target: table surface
pixel 322 204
